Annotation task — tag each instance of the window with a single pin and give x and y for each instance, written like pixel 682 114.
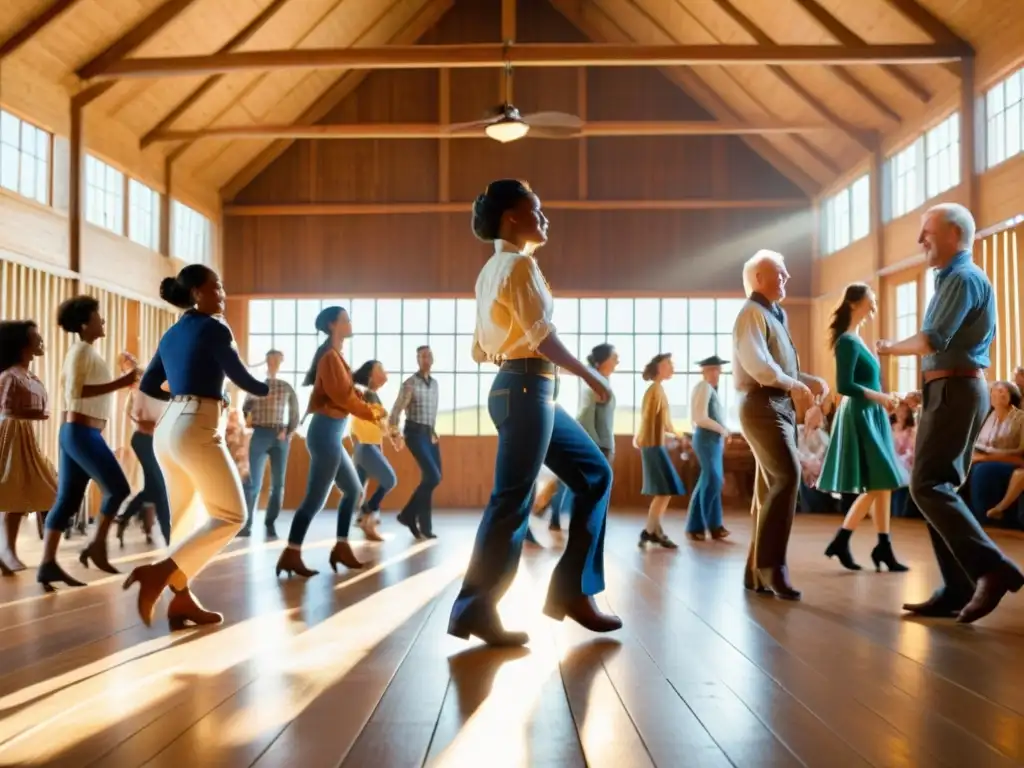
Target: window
pixel 929 286
pixel 24 158
pixel 104 195
pixel 906 326
pixel 907 174
pixel 143 215
pixel 390 330
pixel 846 216
pixel 190 234
pixel 1003 125
pixel 942 156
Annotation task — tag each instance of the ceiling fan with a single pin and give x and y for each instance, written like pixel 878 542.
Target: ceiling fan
pixel 505 124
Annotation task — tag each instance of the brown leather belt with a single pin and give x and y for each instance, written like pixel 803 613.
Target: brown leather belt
pixel 953 373
pixel 86 421
pixel 529 365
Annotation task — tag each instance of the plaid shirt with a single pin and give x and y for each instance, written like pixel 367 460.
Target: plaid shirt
pixel 418 398
pixel 270 411
pixel 21 391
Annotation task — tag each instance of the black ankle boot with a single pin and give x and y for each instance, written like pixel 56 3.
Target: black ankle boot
pixel 840 548
pixel 882 553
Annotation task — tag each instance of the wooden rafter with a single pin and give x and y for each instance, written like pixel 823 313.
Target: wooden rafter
pixel 237 41
pixel 33 26
pixel 929 23
pixel 846 36
pixel 602 128
pixel 863 138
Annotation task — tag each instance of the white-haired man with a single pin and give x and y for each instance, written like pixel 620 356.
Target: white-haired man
pixel 772 387
pixel 953 343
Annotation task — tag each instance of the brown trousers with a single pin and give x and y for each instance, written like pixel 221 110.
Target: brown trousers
pixel 768 419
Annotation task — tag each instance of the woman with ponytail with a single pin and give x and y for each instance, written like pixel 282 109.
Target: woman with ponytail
pixel 194 357
pixel 333 400
pixel 861 458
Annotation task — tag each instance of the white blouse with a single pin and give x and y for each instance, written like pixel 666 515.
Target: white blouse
pixel 82 366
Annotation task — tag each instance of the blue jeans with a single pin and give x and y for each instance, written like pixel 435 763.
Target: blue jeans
pixel 562 500
pixel 329 462
pixel 532 431
pixel 154 491
pixel 706 501
pixel 85 456
pixel 265 443
pixel 419 439
pixel 371 462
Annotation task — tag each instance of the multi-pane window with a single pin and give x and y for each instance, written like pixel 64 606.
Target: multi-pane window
pixel 104 195
pixel 906 326
pixel 929 286
pixel 190 234
pixel 143 215
pixel 1004 129
pixel 24 158
pixel 390 330
pixel 942 156
pixel 906 170
pixel 846 216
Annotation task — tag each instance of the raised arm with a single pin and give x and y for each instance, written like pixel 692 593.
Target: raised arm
pixel 154 378
pixel 751 340
pixel 226 353
pixel 337 383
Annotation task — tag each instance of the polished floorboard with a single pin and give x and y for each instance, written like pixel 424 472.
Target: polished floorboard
pixel 356 670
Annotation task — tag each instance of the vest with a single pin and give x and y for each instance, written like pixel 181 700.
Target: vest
pixel 780 346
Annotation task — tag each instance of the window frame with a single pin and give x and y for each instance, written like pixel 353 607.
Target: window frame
pixel 42 171
pixel 189 227
pixel 846 216
pixel 152 215
pixel 106 196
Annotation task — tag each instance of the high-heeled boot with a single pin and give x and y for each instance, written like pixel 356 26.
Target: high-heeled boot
pixel 97 548
pixel 152 580
pixel 882 553
pixel 342 553
pixel 185 609
pixel 290 562
pixel 840 548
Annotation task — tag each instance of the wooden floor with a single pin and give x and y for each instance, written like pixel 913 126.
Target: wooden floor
pixel 357 670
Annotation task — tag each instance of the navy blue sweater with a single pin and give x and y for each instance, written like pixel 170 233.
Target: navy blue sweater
pixel 193 358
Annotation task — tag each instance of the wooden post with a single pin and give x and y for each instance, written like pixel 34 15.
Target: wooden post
pixel 583 178
pixel 968 129
pixel 508 36
pixel 165 210
pixel 75 167
pixel 444 116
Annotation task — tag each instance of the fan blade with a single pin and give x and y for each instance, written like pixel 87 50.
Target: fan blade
pixel 553 120
pixel 552 132
pixel 475 125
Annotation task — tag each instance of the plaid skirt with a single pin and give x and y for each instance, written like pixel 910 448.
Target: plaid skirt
pixel 28 482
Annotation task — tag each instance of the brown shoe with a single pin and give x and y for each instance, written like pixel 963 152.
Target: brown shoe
pixel 720 533
pixel 342 553
pixel 938 606
pixel 291 563
pixel 185 609
pixel 584 611
pixel 152 580
pixel 97 552
pixel 777 581
pixel 696 536
pixel 991 588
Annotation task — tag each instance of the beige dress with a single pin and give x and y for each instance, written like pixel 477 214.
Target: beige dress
pixel 28 482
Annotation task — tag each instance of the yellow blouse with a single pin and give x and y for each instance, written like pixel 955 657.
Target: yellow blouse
pixel 368 432
pixel 655 417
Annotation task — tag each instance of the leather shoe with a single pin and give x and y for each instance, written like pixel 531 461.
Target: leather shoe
pixel 487 626
pixel 584 611
pixel 776 580
pixel 938 606
pixel 991 588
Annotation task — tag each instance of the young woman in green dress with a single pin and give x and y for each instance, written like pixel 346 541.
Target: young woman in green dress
pixel 861 457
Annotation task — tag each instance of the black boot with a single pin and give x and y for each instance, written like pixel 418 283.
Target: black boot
pixel 840 547
pixel 882 553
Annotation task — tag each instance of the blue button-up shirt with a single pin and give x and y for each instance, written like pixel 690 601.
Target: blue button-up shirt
pixel 960 321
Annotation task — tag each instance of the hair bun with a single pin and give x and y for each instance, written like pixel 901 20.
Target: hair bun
pixel 174 293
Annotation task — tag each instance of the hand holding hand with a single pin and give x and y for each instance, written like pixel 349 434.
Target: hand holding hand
pixel 912 399
pixel 883 347
pixel 802 396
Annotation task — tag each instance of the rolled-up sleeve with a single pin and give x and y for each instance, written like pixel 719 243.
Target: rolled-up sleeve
pixel 948 310
pixel 530 301
pixel 750 336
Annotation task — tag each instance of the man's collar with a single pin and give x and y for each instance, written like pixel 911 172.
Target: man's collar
pixel 759 298
pixel 424 376
pixel 963 257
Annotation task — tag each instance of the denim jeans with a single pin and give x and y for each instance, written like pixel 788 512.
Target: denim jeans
pixel 532 431
pixel 706 501
pixel 266 443
pixel 154 491
pixel 419 439
pixel 562 500
pixel 371 462
pixel 85 456
pixel 329 463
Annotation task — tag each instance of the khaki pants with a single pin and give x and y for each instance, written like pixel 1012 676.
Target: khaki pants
pixel 194 458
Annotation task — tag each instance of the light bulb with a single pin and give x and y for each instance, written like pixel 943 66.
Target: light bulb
pixel 507 130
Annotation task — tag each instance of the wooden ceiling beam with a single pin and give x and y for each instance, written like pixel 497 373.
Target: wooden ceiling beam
pixel 237 41
pixel 486 55
pixel 846 36
pixel 604 128
pixel 932 26
pixel 33 26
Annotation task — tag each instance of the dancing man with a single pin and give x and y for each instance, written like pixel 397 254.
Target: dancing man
pixel 959 325
pixel 772 387
pixel 710 436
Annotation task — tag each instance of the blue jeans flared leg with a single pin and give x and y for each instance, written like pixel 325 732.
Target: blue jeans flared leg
pixel 84 456
pixel 427 453
pixel 706 501
pixel 154 491
pixel 265 444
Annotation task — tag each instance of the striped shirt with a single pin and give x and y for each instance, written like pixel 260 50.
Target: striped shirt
pixel 418 398
pixel 278 409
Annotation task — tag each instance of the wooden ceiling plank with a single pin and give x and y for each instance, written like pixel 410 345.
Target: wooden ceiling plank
pixel 846 36
pixel 414 29
pixel 933 26
pixel 238 40
pixel 33 26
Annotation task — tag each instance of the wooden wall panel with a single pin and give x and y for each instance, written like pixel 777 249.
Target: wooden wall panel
pixel 1000 256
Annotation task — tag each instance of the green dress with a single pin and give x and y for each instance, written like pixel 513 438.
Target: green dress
pixel 861 455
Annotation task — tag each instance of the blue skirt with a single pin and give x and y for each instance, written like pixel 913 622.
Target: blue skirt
pixel 660 477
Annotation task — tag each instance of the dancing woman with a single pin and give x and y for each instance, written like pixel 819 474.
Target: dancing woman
pixel 861 457
pixel 369 455
pixel 514 329
pixel 660 478
pixel 333 399
pixel 194 357
pixel 28 483
pixel 84 454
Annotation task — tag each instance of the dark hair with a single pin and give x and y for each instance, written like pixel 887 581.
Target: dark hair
pixel 271 352
pixel 421 347
pixel 651 369
pixel 599 355
pixel 75 312
pixel 843 314
pixel 893 418
pixel 1011 388
pixel 323 324
pixel 362 375
pixel 15 336
pixel 488 208
pixel 177 291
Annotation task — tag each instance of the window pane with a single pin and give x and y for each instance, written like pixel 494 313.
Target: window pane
pixel 442 316
pixel 305 351
pixel 409 347
pixel 284 317
pixel 620 315
pixel 674 316
pixel 624 346
pixel 648 315
pixel 389 316
pixel 726 312
pixel 260 316
pixel 443 348
pixel 645 348
pixel 389 352
pixel 569 394
pixel 700 347
pixel 702 315
pixel 467 412
pixel 566 315
pixel 465 315
pixel 675 345
pixel 464 354
pixel 593 316
pixel 446 404
pixel 258 346
pixel 285 344
pixel 414 316
pixel 571 342
pixel 364 314
pixel 361 348
pixel 306 314
pixel 486 425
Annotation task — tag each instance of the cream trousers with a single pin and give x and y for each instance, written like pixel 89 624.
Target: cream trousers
pixel 194 458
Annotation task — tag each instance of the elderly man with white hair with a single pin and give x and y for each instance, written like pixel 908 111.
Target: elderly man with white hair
pixel 772 387
pixel 953 343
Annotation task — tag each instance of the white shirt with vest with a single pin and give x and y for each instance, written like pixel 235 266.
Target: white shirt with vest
pixel 764 352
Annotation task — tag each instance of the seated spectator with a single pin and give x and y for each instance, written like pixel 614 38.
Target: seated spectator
pixel 904 435
pixel 1001 441
pixel 812 442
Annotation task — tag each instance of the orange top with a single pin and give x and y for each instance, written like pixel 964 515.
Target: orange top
pixel 334 394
